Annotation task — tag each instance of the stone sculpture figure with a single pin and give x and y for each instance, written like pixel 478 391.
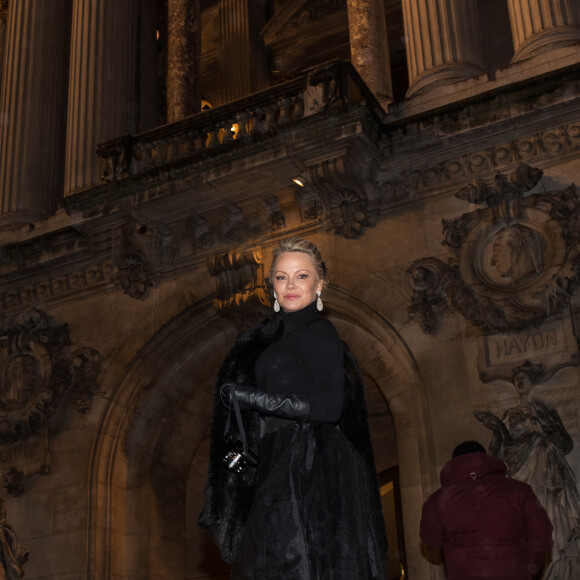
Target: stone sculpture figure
pixel 12 554
pixel 533 442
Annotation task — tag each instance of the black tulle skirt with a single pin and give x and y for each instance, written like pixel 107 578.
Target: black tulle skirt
pixel 311 518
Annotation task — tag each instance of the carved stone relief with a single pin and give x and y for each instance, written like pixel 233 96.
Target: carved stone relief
pixel 513 263
pixel 140 247
pixel 344 186
pixel 39 368
pixel 241 283
pixel 13 555
pixel 533 441
pixel 409 183
pixel 52 246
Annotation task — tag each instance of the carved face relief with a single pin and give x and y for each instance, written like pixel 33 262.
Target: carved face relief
pixel 516 252
pixel 522 383
pixel 514 261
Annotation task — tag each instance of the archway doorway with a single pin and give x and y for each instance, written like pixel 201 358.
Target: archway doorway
pixel 150 458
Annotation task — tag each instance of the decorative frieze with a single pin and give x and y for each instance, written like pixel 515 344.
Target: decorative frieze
pixel 37 250
pixel 22 294
pixel 427 177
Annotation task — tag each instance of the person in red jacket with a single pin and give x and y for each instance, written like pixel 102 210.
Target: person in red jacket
pixel 488 526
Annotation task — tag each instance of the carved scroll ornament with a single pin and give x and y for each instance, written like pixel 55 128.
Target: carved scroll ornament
pixel 514 262
pixel 241 284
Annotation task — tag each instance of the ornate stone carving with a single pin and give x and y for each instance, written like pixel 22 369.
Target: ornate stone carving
pixel 41 249
pixel 114 158
pixel 17 296
pixel 405 184
pixel 234 228
pixel 552 344
pixel 275 219
pixel 39 368
pixel 344 186
pixel 532 440
pixel 133 276
pixel 141 247
pixel 514 261
pixel 201 235
pixel 241 283
pixel 13 554
pixel 309 204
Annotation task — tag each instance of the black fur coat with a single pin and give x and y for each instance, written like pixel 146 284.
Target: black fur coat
pixel 229 496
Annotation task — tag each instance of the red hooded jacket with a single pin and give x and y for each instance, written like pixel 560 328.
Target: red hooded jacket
pixel 489 526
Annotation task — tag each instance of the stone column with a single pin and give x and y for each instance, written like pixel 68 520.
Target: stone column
pixel 236 49
pixel 183 50
pixel 3 26
pixel 33 110
pixel 369 50
pixel 540 25
pixel 102 81
pixel 443 42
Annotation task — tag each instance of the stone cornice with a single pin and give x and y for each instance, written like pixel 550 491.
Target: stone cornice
pixel 169 217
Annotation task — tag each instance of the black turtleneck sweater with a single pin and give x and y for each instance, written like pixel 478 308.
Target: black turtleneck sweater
pixel 307 360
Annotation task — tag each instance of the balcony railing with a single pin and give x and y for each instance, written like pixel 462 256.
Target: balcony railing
pixel 258 116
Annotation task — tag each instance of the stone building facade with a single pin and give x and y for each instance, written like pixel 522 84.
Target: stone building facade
pixel 151 155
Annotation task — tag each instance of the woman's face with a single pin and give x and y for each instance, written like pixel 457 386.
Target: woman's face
pixel 522 383
pixel 295 281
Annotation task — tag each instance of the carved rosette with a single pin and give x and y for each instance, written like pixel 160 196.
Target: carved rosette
pixel 514 263
pixel 38 369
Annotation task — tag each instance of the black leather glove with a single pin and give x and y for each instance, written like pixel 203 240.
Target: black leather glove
pixel 294 407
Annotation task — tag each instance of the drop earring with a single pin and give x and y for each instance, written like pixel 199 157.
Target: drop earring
pixel 276 303
pixel 319 305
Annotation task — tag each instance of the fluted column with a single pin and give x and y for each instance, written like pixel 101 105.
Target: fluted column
pixel 183 50
pixel 3 26
pixel 369 51
pixel 101 85
pixel 443 42
pixel 236 49
pixel 540 25
pixel 33 110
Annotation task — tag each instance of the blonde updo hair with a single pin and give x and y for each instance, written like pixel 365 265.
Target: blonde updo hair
pixel 299 245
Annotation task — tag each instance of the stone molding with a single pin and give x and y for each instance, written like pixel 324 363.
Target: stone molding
pixel 554 143
pixel 364 169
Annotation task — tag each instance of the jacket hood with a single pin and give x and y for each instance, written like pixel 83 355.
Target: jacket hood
pixel 471 467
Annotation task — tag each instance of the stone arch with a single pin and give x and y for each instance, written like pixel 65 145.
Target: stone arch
pixel 147 451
